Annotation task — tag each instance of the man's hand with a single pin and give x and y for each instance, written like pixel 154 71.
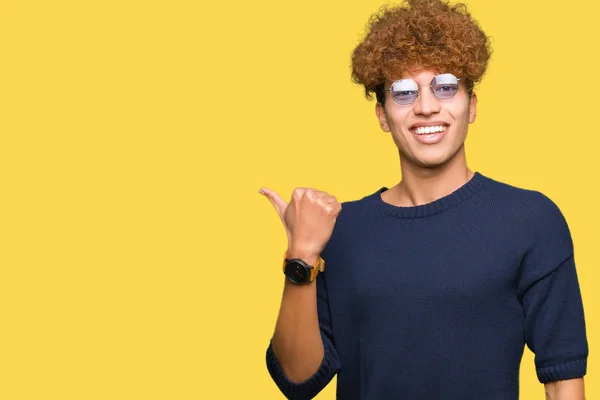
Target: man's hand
pixel 308 219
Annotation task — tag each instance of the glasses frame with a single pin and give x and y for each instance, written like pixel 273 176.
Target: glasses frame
pixel 419 90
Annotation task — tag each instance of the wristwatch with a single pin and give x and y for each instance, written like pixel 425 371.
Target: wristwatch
pixel 299 272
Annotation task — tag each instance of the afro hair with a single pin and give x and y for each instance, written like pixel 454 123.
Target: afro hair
pixel 417 35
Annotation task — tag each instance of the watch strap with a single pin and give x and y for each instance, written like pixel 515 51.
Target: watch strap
pixel 318 267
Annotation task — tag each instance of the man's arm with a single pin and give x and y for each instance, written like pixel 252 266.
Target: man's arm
pixel 297 343
pixel 570 389
pixel 301 357
pixel 549 292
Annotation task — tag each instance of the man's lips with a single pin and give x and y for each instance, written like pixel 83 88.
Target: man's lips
pixel 430 134
pixel 428 123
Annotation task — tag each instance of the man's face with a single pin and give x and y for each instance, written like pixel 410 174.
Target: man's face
pixel 454 115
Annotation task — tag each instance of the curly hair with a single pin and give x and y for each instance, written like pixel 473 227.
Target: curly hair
pixel 420 34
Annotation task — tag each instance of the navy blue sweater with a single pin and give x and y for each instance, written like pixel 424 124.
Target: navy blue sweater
pixel 437 301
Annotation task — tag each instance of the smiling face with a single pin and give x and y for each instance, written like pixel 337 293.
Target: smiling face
pixel 430 132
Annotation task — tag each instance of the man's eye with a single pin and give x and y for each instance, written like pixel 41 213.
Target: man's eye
pixel 403 93
pixel 446 88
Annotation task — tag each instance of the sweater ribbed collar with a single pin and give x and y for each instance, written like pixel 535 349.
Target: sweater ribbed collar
pixel 462 193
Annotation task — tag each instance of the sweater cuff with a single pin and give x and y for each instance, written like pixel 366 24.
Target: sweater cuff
pixel 561 372
pixel 308 388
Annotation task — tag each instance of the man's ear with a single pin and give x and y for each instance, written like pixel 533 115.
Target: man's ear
pixel 382 117
pixel 472 107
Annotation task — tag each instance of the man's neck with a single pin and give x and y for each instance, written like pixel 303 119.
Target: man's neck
pixel 425 185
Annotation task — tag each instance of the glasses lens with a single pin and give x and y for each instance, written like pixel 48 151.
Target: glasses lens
pixel 444 86
pixel 404 91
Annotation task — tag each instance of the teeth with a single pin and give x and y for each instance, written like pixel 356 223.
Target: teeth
pixel 424 130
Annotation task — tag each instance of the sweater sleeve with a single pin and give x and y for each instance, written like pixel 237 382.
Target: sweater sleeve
pixel 329 366
pixel 549 291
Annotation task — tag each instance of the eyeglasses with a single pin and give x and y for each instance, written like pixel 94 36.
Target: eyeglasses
pixel 406 91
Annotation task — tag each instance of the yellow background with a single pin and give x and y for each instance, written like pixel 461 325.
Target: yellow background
pixel 138 260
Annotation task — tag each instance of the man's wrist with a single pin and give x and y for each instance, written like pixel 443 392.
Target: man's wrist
pixel 309 257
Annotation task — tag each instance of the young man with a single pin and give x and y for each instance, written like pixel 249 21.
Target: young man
pixel 432 287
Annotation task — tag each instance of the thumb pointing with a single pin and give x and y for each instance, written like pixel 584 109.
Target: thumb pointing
pixel 279 204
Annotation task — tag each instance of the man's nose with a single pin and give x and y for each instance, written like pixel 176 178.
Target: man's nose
pixel 426 103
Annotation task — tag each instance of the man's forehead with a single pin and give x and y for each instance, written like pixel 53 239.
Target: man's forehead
pixel 421 76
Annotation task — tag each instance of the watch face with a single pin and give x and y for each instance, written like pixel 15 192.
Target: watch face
pixel 296 272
